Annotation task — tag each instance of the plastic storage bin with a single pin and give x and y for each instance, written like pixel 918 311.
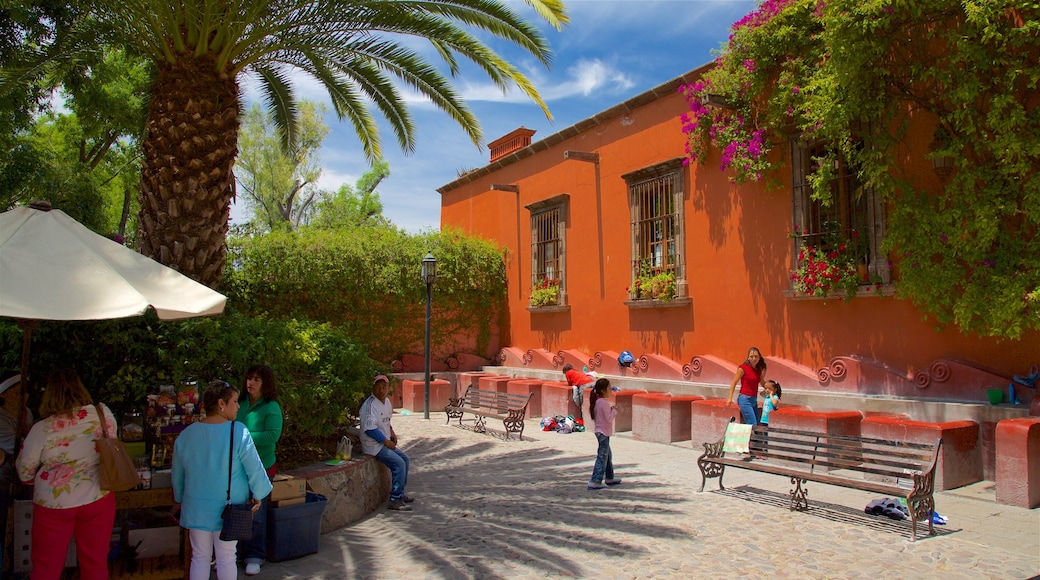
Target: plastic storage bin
pixel 293 531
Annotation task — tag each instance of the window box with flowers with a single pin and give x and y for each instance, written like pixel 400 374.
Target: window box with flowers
pixel 652 285
pixel 819 272
pixel 545 294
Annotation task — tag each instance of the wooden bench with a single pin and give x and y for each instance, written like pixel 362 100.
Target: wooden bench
pixel 897 468
pixel 511 408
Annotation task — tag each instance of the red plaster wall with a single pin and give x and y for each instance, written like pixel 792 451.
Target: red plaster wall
pixel 737 250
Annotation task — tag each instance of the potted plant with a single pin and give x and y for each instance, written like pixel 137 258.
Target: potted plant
pixel 545 293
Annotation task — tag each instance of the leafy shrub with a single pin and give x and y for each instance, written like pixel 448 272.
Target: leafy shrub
pixel 366 281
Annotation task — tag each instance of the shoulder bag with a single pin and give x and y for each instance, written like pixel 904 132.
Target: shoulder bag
pixel 238 518
pixel 117 469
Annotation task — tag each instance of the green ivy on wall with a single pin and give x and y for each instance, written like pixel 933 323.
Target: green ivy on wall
pixel 854 73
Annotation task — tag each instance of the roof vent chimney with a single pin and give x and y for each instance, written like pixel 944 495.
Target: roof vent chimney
pixel 513 141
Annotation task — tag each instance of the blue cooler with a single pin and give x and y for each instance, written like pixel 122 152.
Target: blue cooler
pixel 293 531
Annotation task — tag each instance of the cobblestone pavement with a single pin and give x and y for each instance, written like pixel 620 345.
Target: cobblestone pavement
pixel 491 508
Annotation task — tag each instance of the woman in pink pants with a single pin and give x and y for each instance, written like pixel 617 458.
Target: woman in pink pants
pixel 59 453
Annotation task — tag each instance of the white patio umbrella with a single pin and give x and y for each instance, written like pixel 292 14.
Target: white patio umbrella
pixel 54 268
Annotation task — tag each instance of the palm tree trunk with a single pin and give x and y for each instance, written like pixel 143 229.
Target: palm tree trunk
pixel 186 177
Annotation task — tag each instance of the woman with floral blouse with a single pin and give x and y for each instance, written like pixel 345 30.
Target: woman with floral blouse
pixel 60 454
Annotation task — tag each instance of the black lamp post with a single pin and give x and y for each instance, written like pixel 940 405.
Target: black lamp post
pixel 429 276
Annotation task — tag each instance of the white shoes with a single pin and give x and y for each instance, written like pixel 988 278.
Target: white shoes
pixel 252 569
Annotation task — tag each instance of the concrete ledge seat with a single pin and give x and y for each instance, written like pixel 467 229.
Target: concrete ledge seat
pixel 708 419
pixel 413 395
pixel 960 460
pixel 556 400
pixel 824 422
pixel 623 402
pixel 492 383
pixel 662 417
pixel 531 387
pixel 1018 462
pixel 354 489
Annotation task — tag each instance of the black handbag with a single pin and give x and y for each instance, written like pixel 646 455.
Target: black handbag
pixel 238 518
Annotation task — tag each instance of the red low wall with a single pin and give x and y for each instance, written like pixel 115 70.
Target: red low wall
pixel 413 395
pixel 661 417
pixel 960 461
pixel 467 380
pixel 826 422
pixel 525 387
pixel 1018 462
pixel 708 420
pixel 494 382
pixel 556 400
pixel 623 402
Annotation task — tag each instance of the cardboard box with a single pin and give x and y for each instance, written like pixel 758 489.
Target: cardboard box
pixel 287 502
pixel 288 487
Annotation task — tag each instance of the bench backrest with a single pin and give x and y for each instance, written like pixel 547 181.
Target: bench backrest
pixel 895 461
pixel 495 400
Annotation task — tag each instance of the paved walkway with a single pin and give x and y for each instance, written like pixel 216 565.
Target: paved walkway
pixel 490 508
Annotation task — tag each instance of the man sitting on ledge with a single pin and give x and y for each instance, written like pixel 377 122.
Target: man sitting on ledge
pixel 378 438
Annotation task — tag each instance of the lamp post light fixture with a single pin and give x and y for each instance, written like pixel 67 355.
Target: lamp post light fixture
pixel 429 276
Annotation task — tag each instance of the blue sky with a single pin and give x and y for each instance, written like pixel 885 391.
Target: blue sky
pixel 611 51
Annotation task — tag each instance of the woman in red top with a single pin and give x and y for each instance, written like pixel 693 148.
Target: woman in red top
pixel 751 375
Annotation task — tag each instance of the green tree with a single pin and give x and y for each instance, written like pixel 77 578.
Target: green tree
pixel 278 180
pixel 854 74
pixel 357 206
pixel 354 50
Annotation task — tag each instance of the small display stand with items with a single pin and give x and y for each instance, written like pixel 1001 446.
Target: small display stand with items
pixel 149 543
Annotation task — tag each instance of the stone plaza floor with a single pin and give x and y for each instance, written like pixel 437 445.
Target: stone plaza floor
pixel 487 507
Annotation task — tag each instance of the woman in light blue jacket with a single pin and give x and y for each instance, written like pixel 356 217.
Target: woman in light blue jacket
pixel 200 474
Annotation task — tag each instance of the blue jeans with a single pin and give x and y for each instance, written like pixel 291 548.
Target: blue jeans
pixel 748 409
pixel 397 461
pixel 604 461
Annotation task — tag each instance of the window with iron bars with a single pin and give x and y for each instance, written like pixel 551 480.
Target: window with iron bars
pixel 547 251
pixel 851 224
pixel 656 207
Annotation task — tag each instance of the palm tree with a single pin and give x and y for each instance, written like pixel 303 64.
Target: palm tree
pixel 202 49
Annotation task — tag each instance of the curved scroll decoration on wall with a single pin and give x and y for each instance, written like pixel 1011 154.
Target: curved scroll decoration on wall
pixel 641 365
pixel 452 362
pixel 528 357
pixel 596 361
pixel 694 367
pixel 558 359
pixel 836 370
pixel 500 358
pixel 397 366
pixel 938 372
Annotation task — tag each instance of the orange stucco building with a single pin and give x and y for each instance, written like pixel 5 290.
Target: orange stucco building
pixel 584 205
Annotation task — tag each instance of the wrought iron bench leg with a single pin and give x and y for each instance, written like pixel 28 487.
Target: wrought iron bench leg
pixel 799 495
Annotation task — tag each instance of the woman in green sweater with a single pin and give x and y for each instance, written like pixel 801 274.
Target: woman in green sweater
pixel 262 415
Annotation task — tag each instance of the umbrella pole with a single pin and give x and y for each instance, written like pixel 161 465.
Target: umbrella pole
pixel 27 327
